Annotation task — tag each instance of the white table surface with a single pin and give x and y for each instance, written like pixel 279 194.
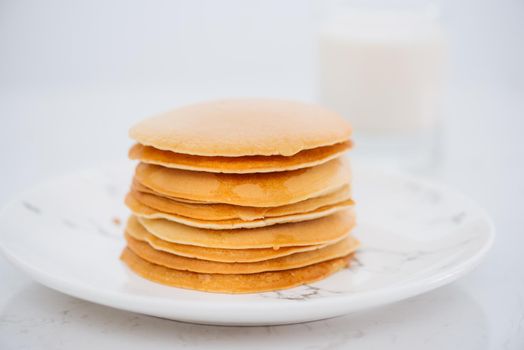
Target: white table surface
pixel 44 134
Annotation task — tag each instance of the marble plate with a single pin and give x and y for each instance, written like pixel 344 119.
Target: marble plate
pixel 416 236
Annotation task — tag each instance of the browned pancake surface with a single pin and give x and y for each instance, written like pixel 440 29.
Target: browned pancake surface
pixel 243 127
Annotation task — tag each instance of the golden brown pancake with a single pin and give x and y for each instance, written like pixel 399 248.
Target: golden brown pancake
pixel 233 283
pixel 243 127
pixel 256 190
pixel 137 231
pixel 173 261
pixel 144 211
pixel 217 211
pixel 319 231
pixel 238 165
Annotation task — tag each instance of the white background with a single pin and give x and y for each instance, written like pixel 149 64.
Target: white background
pixel 74 75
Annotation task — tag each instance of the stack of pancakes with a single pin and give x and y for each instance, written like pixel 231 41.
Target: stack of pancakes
pixel 240 196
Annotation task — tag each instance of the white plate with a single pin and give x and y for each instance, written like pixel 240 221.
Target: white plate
pixel 415 237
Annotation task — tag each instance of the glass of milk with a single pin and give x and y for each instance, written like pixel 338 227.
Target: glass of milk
pixel 383 68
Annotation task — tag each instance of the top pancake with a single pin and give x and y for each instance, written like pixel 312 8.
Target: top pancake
pixel 243 127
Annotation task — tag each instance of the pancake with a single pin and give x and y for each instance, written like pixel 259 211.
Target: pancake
pixel 256 190
pixel 319 231
pixel 173 261
pixel 144 211
pixel 137 231
pixel 233 283
pixel 238 165
pixel 243 127
pixel 217 211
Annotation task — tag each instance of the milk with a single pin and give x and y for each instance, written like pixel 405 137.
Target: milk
pixel 384 70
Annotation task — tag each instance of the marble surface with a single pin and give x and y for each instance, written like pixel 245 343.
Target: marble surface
pixel 482 157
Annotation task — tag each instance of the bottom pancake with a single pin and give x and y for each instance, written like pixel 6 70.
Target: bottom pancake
pixel 233 283
pixel 173 261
